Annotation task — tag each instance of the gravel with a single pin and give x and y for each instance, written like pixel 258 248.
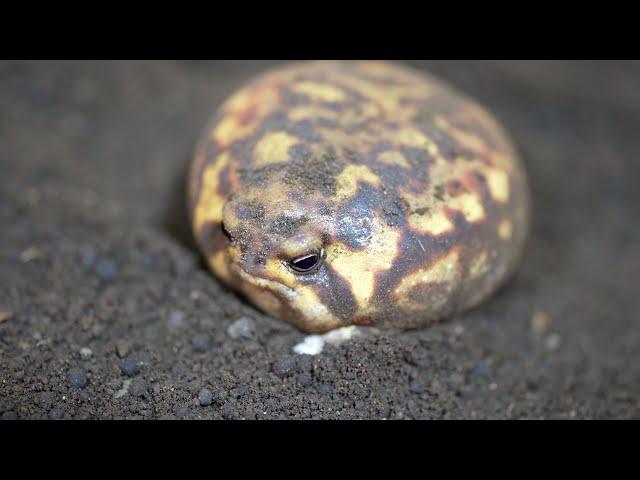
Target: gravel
pixel 200 343
pixel 77 378
pixel 56 413
pixel 304 380
pixel 85 353
pixel 107 269
pixel 284 366
pixel 205 397
pixel 418 387
pixel 138 387
pixel 129 366
pixel 241 329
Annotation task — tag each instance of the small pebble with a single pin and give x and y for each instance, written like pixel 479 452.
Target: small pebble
pixel 205 397
pixel 182 411
pixel 481 368
pixel 284 366
pixel 219 395
pixel 77 378
pixel 304 363
pixel 349 376
pixel 227 410
pixel 56 413
pixel 241 329
pixel 123 391
pixel 88 257
pixel 85 353
pixel 417 386
pixel 122 348
pixel 107 269
pixel 46 400
pixel 552 342
pixel 29 254
pixel 129 366
pixel 138 387
pixel 200 343
pixel 148 261
pixel 182 267
pixel 304 380
pixel 240 392
pixel 176 319
pixel 540 321
pixel 325 389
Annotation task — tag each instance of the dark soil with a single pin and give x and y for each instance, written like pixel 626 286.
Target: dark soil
pixel 107 312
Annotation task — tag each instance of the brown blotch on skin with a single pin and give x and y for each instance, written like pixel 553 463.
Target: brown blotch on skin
pixel 251 211
pixel 285 225
pixel 314 172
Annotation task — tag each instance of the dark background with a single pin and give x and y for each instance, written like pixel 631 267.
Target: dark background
pixel 94 255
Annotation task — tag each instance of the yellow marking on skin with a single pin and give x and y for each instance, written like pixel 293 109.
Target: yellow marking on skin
pixel 502 161
pixel 468 140
pixel 469 205
pixel 388 96
pixel 241 100
pixel 379 69
pixel 347 180
pixel 443 270
pixel 394 158
pixel 505 229
pixel 219 263
pixel 430 212
pixel 410 137
pixel 359 268
pixel 435 223
pixel 211 202
pixel 256 102
pixel 308 112
pixel 273 148
pixel 498 183
pixel 263 298
pixel 478 265
pixel 320 91
pixel 433 149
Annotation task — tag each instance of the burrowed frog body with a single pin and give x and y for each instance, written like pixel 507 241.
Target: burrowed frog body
pixel 357 193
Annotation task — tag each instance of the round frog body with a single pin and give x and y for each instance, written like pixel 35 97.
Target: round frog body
pixel 357 193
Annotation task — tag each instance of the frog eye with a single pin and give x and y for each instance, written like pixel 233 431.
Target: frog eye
pixel 225 231
pixel 307 263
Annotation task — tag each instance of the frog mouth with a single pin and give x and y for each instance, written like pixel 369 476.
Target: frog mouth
pixel 265 283
pixel 295 306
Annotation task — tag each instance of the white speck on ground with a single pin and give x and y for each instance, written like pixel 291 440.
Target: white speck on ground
pixel 29 254
pixel 123 391
pixel 241 328
pixel 85 353
pixel 552 342
pixel 314 344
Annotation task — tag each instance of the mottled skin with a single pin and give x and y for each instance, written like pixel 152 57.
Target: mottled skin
pixel 413 191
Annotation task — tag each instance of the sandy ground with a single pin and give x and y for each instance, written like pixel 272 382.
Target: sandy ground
pixel 107 312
